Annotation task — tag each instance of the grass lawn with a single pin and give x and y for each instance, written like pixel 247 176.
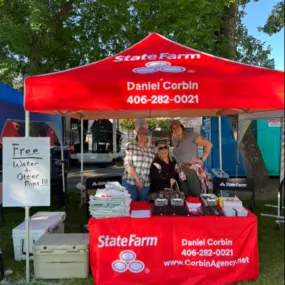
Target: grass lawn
pixel 271 244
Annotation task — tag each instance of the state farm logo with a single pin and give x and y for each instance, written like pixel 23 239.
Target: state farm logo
pixel 100 183
pixel 128 261
pixel 232 184
pixel 155 66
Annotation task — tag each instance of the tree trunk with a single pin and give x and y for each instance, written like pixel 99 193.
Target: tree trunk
pixel 249 150
pixel 253 161
pixel 252 158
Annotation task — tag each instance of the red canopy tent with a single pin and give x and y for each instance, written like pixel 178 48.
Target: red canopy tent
pixel 156 78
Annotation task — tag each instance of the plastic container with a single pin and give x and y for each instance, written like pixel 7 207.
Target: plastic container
pixel 176 202
pixel 41 223
pixel 242 212
pixel 161 202
pixel 229 212
pixel 209 199
pixel 233 202
pixel 61 256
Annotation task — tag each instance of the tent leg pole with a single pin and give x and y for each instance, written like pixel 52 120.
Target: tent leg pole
pixel 82 151
pixel 27 210
pixel 281 184
pixel 114 138
pixel 237 149
pixel 62 170
pixel 282 132
pixel 220 145
pixel 220 150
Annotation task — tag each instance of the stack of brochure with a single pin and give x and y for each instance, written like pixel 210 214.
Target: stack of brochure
pixel 113 201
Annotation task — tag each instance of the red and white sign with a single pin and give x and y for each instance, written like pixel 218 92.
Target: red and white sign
pixel 274 123
pixel 156 78
pixel 173 250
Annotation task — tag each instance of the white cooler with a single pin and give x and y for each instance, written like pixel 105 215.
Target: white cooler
pixel 41 223
pixel 61 256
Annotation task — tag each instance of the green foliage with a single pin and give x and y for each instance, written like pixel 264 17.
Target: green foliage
pixel 127 124
pixel 44 36
pixel 249 49
pixel 275 21
pixel 153 123
pixel 164 124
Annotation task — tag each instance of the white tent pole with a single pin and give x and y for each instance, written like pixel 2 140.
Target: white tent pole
pixel 114 137
pixel 27 209
pixel 82 151
pixel 280 196
pixel 279 218
pixel 282 133
pixel 220 145
pixel 62 166
pixel 81 160
pixel 237 148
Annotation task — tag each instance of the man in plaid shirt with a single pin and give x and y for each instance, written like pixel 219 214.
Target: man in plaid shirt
pixel 138 160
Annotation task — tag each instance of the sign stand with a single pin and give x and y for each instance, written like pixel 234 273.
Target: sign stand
pixel 27 210
pixel 27 219
pixel 26 178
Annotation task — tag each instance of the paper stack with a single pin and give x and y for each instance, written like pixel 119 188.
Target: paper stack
pixel 113 201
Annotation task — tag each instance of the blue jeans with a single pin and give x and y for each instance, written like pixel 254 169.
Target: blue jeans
pixel 136 193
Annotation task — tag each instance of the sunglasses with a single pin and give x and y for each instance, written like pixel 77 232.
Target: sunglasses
pixel 163 147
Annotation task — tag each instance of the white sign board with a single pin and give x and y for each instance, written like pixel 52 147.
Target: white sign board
pixel 26 172
pixel 274 123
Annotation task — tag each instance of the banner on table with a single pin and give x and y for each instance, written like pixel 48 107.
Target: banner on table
pixel 168 250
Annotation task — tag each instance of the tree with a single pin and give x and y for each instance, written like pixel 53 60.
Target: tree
pixel 275 21
pixel 164 124
pixel 127 124
pixel 240 47
pixel 34 38
pixel 46 36
pixel 152 124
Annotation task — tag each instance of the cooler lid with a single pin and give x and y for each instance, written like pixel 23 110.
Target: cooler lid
pixel 69 242
pixel 49 214
pixel 41 221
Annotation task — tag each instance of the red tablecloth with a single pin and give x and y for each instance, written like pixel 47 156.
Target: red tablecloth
pixel 173 250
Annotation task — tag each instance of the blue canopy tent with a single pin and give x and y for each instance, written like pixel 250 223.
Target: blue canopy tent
pixel 12 109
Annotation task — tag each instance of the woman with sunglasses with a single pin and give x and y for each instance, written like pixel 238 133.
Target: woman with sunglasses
pixel 162 171
pixel 192 174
